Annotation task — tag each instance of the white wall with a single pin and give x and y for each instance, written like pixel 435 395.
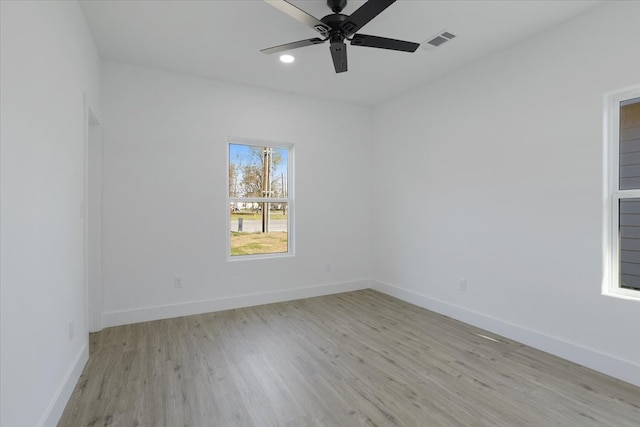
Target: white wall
pixel 47 61
pixel 494 174
pixel 165 167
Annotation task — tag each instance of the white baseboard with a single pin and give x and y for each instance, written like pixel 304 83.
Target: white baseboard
pixel 54 411
pixel 125 317
pixel 609 365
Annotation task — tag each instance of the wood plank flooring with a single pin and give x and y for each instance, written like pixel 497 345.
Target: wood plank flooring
pixel 353 359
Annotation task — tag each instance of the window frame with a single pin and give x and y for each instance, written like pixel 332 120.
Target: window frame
pixel 289 200
pixel 613 194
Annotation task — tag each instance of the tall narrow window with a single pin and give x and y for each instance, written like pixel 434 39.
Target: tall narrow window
pixel 260 199
pixel 623 122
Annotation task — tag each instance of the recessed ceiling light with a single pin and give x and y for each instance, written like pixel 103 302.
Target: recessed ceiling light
pixel 287 59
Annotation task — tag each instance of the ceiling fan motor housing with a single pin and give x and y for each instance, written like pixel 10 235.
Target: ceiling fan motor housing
pixel 335 22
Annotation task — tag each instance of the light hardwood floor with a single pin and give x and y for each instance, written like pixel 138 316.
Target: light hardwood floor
pixel 352 359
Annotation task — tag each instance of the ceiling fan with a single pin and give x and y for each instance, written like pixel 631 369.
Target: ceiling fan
pixel 338 27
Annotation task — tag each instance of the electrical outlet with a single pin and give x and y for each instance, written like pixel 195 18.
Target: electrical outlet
pixel 463 285
pixel 71 330
pixel 177 282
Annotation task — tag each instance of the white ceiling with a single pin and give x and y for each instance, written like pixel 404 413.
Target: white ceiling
pixel 222 40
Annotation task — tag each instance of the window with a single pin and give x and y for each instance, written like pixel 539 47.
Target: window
pixel 623 194
pixel 260 203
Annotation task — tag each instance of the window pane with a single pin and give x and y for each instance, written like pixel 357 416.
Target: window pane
pixel 259 228
pixel 630 243
pixel 630 144
pixel 256 171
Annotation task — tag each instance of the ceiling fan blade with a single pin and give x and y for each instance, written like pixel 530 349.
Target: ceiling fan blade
pixel 292 45
pixel 364 14
pixel 300 15
pixel 339 56
pixel 383 43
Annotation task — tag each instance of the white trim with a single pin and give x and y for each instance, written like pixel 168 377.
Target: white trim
pixel 273 255
pixel 145 314
pixel 258 142
pixel 610 365
pixel 259 199
pixel 94 222
pixel 62 395
pixel 613 194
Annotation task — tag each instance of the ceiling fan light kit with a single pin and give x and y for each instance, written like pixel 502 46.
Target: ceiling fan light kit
pixel 337 27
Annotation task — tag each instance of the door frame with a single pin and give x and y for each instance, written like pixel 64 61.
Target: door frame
pixel 93 221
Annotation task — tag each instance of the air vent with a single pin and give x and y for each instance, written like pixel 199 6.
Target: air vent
pixel 438 40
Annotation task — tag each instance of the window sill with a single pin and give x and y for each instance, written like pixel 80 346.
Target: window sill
pixel 620 293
